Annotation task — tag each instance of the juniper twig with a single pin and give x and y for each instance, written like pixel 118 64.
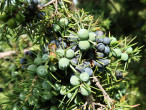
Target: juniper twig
pixel 106 96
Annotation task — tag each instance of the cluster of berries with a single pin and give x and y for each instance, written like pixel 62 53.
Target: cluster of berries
pixel 64 69
pixel 22 15
pixel 33 13
pixel 74 67
pixel 13 20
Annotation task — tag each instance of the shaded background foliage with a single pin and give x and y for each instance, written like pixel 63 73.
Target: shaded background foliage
pixel 125 18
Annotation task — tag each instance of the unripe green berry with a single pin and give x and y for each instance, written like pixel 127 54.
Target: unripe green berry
pixel 55 93
pixel 22 96
pixel 20 17
pixel 32 69
pixel 63 22
pixel 63 90
pixel 92 36
pixel 45 57
pixel 4 18
pixel 24 108
pixel 83 34
pixel 74 80
pixel 14 73
pixel 113 40
pixel 84 45
pixel 85 91
pixel 38 61
pixel 47 95
pixel 46 85
pixel 36 92
pixel 53 68
pixel 12 23
pixel 12 67
pixel 63 63
pixel 124 56
pixel 56 28
pixel 84 76
pixel 117 52
pixel 53 108
pixel 60 52
pixel 69 95
pixel 129 50
pixel 15 107
pixel 42 71
pixel 57 87
pixel 88 82
pixel 70 54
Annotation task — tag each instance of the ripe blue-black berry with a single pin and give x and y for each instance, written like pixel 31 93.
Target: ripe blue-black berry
pixel 79 68
pixel 86 63
pixel 99 55
pixel 100 47
pixel 99 33
pixel 97 64
pixel 30 53
pixel 41 14
pixel 106 41
pixel 106 50
pixel 104 62
pixel 89 71
pixel 23 60
pixel 56 42
pixel 119 74
pixel 99 40
pixel 74 61
pixel 1 90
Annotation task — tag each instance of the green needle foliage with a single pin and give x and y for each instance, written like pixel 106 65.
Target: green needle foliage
pixel 64 69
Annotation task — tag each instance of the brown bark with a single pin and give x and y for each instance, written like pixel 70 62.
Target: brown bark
pixel 71 6
pixel 9 53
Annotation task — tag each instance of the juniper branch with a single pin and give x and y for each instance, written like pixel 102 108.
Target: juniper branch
pixel 9 53
pixel 32 86
pixel 47 4
pixel 106 96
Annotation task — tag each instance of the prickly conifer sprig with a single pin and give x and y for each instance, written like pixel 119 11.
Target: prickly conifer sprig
pixel 70 61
